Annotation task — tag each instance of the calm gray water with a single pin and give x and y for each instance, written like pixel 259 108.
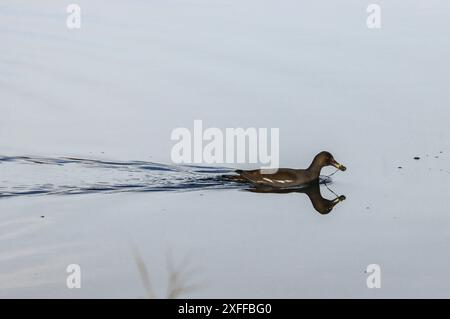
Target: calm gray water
pixel 113 91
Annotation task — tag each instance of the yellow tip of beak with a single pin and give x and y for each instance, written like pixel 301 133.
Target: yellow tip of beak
pixel 338 166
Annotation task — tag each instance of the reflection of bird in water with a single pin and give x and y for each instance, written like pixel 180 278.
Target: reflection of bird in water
pixel 288 177
pixel 320 204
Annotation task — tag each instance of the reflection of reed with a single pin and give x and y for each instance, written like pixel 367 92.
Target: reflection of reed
pixel 178 277
pixel 143 273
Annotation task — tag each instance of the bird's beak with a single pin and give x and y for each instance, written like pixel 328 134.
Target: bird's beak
pixel 337 165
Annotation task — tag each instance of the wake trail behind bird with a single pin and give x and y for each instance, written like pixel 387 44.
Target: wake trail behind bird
pixel 25 175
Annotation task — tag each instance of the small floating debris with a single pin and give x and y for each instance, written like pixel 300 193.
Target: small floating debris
pixel 399 167
pixel 417 158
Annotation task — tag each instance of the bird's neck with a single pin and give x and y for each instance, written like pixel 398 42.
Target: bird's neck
pixel 315 168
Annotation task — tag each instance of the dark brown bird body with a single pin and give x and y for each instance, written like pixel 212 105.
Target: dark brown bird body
pixel 288 177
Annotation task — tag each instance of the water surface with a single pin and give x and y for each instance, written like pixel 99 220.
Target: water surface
pixel 116 88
